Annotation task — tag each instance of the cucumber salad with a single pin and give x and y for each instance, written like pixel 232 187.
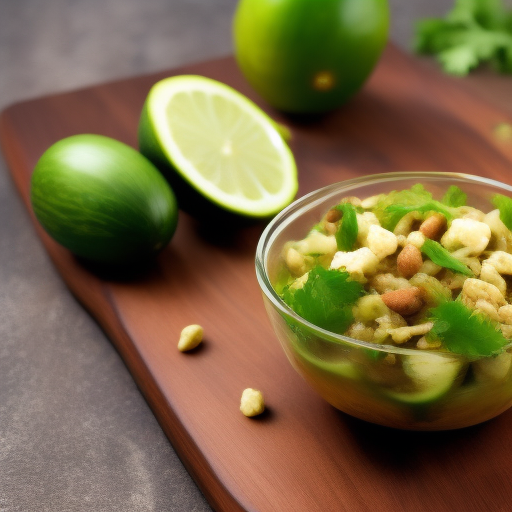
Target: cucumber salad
pixel 403 270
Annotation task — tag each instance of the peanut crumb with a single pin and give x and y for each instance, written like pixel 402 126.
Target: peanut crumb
pixel 191 337
pixel 252 402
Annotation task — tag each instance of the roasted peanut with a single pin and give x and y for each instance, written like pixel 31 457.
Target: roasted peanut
pixel 333 215
pixel 409 261
pixel 191 337
pixel 405 302
pixel 434 226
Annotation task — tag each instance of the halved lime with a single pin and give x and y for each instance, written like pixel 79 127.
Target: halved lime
pixel 219 143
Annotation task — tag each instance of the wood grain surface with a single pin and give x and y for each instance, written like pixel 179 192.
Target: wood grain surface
pixel 301 455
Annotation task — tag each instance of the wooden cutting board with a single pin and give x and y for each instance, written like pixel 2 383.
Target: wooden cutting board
pixel 301 455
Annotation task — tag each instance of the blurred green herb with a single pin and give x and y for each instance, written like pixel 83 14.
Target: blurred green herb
pixel 504 205
pixel 454 197
pixel 473 32
pixel 395 205
pixel 346 235
pixel 440 256
pixel 400 210
pixel 465 332
pixel 326 299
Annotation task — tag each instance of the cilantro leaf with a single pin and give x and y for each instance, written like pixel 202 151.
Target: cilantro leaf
pixel 464 331
pixel 388 218
pixel 346 235
pixel 326 299
pixel 395 205
pixel 440 256
pixel 489 14
pixel 454 197
pixel 504 205
pixel 474 31
pixel 399 210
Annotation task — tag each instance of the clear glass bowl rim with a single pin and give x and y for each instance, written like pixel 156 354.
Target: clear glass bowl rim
pixel 310 200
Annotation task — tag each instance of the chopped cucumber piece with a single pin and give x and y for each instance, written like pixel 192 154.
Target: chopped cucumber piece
pixel 342 368
pixel 339 367
pixel 495 368
pixel 432 376
pixel 333 364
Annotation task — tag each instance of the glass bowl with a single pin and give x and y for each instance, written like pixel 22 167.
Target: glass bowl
pixel 355 376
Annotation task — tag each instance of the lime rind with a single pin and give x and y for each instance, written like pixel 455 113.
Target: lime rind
pixel 222 144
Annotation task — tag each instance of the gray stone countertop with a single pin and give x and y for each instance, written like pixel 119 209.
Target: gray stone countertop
pixel 75 432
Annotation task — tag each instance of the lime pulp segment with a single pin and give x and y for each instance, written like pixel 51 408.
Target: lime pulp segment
pixel 224 145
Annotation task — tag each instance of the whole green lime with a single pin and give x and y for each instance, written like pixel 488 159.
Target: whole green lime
pixel 102 199
pixel 308 56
